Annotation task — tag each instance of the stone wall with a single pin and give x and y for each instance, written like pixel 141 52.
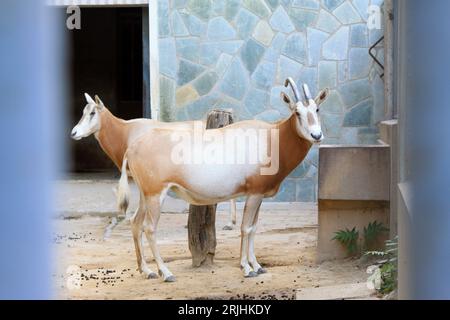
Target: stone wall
pixel 237 53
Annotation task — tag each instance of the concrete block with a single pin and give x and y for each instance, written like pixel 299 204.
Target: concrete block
pixel 354 190
pixel 354 173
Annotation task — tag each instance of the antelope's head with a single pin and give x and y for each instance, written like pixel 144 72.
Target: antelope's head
pixel 90 120
pixel 306 111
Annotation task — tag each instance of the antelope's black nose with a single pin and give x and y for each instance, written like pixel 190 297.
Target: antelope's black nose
pixel 73 133
pixel 316 137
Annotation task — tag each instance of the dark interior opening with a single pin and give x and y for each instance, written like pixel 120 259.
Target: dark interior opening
pixel 105 58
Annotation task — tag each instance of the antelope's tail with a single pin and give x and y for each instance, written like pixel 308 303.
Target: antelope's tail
pixel 123 190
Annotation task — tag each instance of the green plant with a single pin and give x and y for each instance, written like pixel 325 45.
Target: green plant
pixel 349 239
pixel 371 234
pixel 387 266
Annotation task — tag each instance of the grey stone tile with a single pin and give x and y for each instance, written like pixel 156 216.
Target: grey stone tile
pixel 188 71
pixel 295 47
pixel 360 115
pixel 251 54
pixel 336 47
pixel 245 23
pixel 280 21
pixel 235 80
pixel 220 29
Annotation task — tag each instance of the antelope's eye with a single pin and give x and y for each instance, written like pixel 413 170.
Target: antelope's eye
pixel 317 110
pixel 297 113
pixel 92 113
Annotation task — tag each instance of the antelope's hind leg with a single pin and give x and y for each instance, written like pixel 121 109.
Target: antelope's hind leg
pixel 115 220
pixel 150 226
pixel 137 228
pixel 232 216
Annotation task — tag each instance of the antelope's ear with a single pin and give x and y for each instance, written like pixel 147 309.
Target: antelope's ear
pixel 286 99
pixel 322 96
pixel 89 100
pixel 99 102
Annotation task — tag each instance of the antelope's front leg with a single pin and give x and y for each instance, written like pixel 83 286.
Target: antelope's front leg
pixel 136 223
pixel 251 248
pixel 250 211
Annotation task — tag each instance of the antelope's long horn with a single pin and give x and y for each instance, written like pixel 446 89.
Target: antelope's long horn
pixel 290 81
pixel 307 93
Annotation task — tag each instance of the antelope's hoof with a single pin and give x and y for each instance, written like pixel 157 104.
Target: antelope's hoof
pixel 251 274
pixel 227 227
pixel 261 271
pixel 170 279
pixel 152 275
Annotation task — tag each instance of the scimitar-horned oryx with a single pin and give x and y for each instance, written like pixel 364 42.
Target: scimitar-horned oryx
pixel 155 168
pixel 115 135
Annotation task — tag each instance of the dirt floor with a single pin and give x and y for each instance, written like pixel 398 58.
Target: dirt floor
pixel 89 267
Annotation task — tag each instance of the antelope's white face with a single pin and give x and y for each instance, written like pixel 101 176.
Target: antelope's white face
pixel 307 112
pixel 90 120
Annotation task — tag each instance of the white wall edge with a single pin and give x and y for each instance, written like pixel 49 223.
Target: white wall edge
pixel 153 32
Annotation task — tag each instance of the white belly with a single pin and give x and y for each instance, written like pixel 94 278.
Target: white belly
pixel 214 183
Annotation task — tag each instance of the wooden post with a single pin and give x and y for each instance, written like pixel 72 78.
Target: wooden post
pixel 202 219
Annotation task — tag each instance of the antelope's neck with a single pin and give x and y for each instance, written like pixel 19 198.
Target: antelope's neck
pixel 113 137
pixel 293 148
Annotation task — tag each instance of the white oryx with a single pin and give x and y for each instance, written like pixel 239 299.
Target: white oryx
pixel 153 163
pixel 116 135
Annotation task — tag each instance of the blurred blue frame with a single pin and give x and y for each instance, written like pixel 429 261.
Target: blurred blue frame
pixel 31 105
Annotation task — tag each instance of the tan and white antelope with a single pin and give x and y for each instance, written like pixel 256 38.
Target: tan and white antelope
pixel 115 136
pixel 153 163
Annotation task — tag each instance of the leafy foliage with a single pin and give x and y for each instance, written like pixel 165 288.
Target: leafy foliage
pixel 349 239
pixel 372 232
pixel 388 265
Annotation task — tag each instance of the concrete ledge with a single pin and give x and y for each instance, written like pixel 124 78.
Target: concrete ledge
pixel 389 136
pixel 79 197
pixel 350 291
pixel 388 130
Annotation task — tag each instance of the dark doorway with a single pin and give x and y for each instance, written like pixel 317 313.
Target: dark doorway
pixel 105 58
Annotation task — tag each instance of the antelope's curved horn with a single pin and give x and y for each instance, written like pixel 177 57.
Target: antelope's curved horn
pixel 290 81
pixel 307 93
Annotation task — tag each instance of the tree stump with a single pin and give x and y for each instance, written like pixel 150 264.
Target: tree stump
pixel 202 219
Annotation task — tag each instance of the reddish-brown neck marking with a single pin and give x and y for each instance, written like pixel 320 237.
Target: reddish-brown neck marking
pixel 292 151
pixel 293 148
pixel 113 136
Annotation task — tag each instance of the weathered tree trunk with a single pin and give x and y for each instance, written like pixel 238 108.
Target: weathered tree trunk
pixel 202 234
pixel 202 219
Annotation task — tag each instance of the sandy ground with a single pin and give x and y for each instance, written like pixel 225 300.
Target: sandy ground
pixel 89 267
